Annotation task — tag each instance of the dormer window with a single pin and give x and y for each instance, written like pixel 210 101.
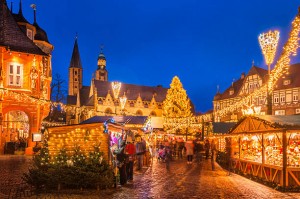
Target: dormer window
pixel 30 34
pixel 287 82
pixel 231 91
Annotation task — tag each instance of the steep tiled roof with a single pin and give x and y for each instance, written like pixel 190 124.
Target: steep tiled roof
pixel 132 91
pixel 84 96
pixel 236 86
pixel 294 76
pixel 75 60
pixel 11 36
pixel 40 35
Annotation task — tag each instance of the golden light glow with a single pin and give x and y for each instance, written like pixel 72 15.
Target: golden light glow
pixel 123 100
pixel 280 69
pixel 116 86
pixel 268 43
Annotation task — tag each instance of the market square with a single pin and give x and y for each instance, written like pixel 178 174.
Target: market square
pixel 125 125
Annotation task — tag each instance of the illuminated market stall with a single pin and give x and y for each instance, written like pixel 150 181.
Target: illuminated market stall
pixel 268 147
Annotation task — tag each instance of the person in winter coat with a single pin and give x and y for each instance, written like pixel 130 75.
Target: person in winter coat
pixel 189 145
pixel 206 147
pixel 130 152
pixel 121 164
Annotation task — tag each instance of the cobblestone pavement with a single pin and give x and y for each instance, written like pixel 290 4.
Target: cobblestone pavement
pixel 181 181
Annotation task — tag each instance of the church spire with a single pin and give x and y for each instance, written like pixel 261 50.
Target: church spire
pixel 75 71
pixel 75 60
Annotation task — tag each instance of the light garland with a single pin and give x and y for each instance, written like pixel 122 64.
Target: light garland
pixel 123 100
pixel 116 86
pixel 280 68
pixel 268 43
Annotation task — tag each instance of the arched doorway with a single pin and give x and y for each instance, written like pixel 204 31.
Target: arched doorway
pixel 16 131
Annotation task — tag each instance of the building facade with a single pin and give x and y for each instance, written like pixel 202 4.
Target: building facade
pixel 285 94
pixel 105 98
pixel 25 78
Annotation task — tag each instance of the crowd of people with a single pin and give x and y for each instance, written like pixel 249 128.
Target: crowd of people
pixel 134 154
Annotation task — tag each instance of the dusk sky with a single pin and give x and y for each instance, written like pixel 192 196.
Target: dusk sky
pixel 204 43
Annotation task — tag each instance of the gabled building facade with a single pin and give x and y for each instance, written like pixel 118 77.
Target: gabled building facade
pixel 105 98
pixel 25 78
pixel 285 95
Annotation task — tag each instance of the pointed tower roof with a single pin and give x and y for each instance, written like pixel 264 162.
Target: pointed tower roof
pixel 19 17
pixel 75 60
pixel 11 36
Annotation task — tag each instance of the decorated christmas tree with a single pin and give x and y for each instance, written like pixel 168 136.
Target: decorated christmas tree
pixel 177 104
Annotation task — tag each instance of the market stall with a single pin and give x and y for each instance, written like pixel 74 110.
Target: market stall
pixel 268 147
pixel 84 137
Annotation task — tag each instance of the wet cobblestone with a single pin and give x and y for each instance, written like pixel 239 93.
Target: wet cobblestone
pixel 181 181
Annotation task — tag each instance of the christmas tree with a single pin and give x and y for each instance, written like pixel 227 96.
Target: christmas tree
pixel 177 104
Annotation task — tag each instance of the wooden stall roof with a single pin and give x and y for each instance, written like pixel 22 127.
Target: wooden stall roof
pixel 74 126
pixel 266 123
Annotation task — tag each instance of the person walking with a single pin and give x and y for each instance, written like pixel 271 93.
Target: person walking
pixel 130 152
pixel 213 154
pixel 140 151
pixel 206 147
pixel 189 145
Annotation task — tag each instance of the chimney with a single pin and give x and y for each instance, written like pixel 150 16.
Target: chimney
pixel 242 75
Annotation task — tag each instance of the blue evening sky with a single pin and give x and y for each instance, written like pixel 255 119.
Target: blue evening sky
pixel 204 43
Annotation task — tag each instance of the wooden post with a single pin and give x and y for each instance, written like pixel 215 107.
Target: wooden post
pixel 262 149
pixel 284 165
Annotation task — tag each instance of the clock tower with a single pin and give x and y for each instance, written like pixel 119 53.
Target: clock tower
pixel 101 72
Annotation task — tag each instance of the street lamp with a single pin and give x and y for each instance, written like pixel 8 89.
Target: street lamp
pixel 268 42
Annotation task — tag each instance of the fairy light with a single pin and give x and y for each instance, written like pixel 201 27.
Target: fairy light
pixel 268 42
pixel 123 100
pixel 280 69
pixel 116 86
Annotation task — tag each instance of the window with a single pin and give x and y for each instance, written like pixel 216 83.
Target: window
pixel 280 112
pixel 295 96
pixel 29 34
pixel 15 74
pixel 231 92
pixel 282 98
pixel 75 72
pixel 287 82
pixel 276 99
pixel 298 111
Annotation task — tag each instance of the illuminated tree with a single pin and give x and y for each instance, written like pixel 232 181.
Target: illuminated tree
pixel 177 104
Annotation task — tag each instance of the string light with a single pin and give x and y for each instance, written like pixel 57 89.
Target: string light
pixel 116 86
pixel 280 69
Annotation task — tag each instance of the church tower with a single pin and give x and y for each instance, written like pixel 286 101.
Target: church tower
pixel 101 72
pixel 75 71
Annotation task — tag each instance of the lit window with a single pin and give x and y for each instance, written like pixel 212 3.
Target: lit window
pixel 15 74
pixel 231 92
pixel 295 96
pixel 29 34
pixel 282 98
pixel 287 82
pixel 276 99
pixel 280 112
